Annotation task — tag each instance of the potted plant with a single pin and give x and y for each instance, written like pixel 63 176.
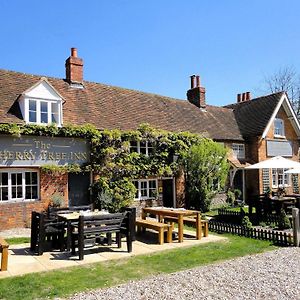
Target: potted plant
pixel 56 200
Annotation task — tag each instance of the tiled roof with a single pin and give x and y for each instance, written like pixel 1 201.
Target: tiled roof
pixel 253 116
pixel 109 107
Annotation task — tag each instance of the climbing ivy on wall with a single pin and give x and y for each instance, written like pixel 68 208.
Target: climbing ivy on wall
pixel 111 158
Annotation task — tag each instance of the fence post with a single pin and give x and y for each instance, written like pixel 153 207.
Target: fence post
pixel 296 226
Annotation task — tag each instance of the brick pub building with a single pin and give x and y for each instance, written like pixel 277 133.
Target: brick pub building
pixel 254 129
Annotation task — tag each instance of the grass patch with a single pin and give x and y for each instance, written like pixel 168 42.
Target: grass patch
pixel 18 240
pixel 61 283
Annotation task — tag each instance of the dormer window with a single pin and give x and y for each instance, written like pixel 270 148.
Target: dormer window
pixel 278 127
pixel 43 112
pixel 41 104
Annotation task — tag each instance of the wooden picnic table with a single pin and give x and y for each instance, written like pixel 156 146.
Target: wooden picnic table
pixel 72 217
pixel 179 213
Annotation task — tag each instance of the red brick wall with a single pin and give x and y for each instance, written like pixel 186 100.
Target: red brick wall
pixel 290 135
pixel 18 214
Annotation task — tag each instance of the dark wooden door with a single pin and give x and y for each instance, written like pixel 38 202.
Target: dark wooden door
pixel 79 189
pixel 168 192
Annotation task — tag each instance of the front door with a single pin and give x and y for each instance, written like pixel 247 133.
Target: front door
pixel 168 192
pixel 79 189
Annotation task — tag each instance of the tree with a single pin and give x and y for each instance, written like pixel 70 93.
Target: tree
pixel 288 80
pixel 206 171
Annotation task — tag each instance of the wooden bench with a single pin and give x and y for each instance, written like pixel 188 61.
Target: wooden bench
pixel 157 226
pixel 4 250
pixel 89 229
pixel 191 221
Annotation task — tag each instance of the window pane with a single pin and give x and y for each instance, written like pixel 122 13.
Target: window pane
pixel 143 188
pixel 19 179
pixel 34 194
pixel 54 112
pixel 13 179
pixel 150 148
pixel 32 105
pixel 27 178
pixel 32 111
pixel 32 116
pixel 4 192
pixel 13 192
pixel 28 192
pixel 54 118
pixel 44 118
pixel 34 178
pixel 143 147
pixel 44 107
pixel 19 192
pixel 152 184
pixel 3 178
pixel 133 146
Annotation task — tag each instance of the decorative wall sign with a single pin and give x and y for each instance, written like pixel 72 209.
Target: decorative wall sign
pixel 38 151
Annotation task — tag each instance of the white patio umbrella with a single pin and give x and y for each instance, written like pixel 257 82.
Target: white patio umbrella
pixel 277 162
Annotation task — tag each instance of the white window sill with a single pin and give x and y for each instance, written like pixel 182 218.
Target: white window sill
pixel 278 136
pixel 18 201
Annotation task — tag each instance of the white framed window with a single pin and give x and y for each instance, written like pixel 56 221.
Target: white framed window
pixel 238 150
pixel 19 185
pixel 145 189
pixel 142 147
pixel 279 178
pixel 279 127
pixel 42 112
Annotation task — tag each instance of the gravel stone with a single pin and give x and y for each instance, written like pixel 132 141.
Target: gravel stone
pixel 273 275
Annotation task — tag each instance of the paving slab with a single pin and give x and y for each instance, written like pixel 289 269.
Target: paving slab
pixel 22 261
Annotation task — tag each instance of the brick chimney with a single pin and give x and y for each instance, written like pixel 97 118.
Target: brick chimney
pixel 74 68
pixel 243 97
pixel 196 94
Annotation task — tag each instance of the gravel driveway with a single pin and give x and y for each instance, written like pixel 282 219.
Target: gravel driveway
pixel 272 275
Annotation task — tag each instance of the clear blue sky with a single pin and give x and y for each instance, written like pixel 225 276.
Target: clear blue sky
pixel 155 45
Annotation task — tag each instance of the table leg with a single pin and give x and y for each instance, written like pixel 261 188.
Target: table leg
pixel 198 227
pixel 180 228
pixel 69 235
pixel 144 215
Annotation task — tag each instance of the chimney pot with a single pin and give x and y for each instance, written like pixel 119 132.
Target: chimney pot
pixel 192 81
pixel 243 97
pixel 74 52
pixel 238 98
pixel 197 81
pixel 248 96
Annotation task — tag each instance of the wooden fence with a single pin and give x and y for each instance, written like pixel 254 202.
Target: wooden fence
pixel 226 215
pixel 277 237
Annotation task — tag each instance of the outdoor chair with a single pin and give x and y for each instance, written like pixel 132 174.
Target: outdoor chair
pixel 45 231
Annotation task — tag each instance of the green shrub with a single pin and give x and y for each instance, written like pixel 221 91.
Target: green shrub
pixel 284 222
pixel 246 222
